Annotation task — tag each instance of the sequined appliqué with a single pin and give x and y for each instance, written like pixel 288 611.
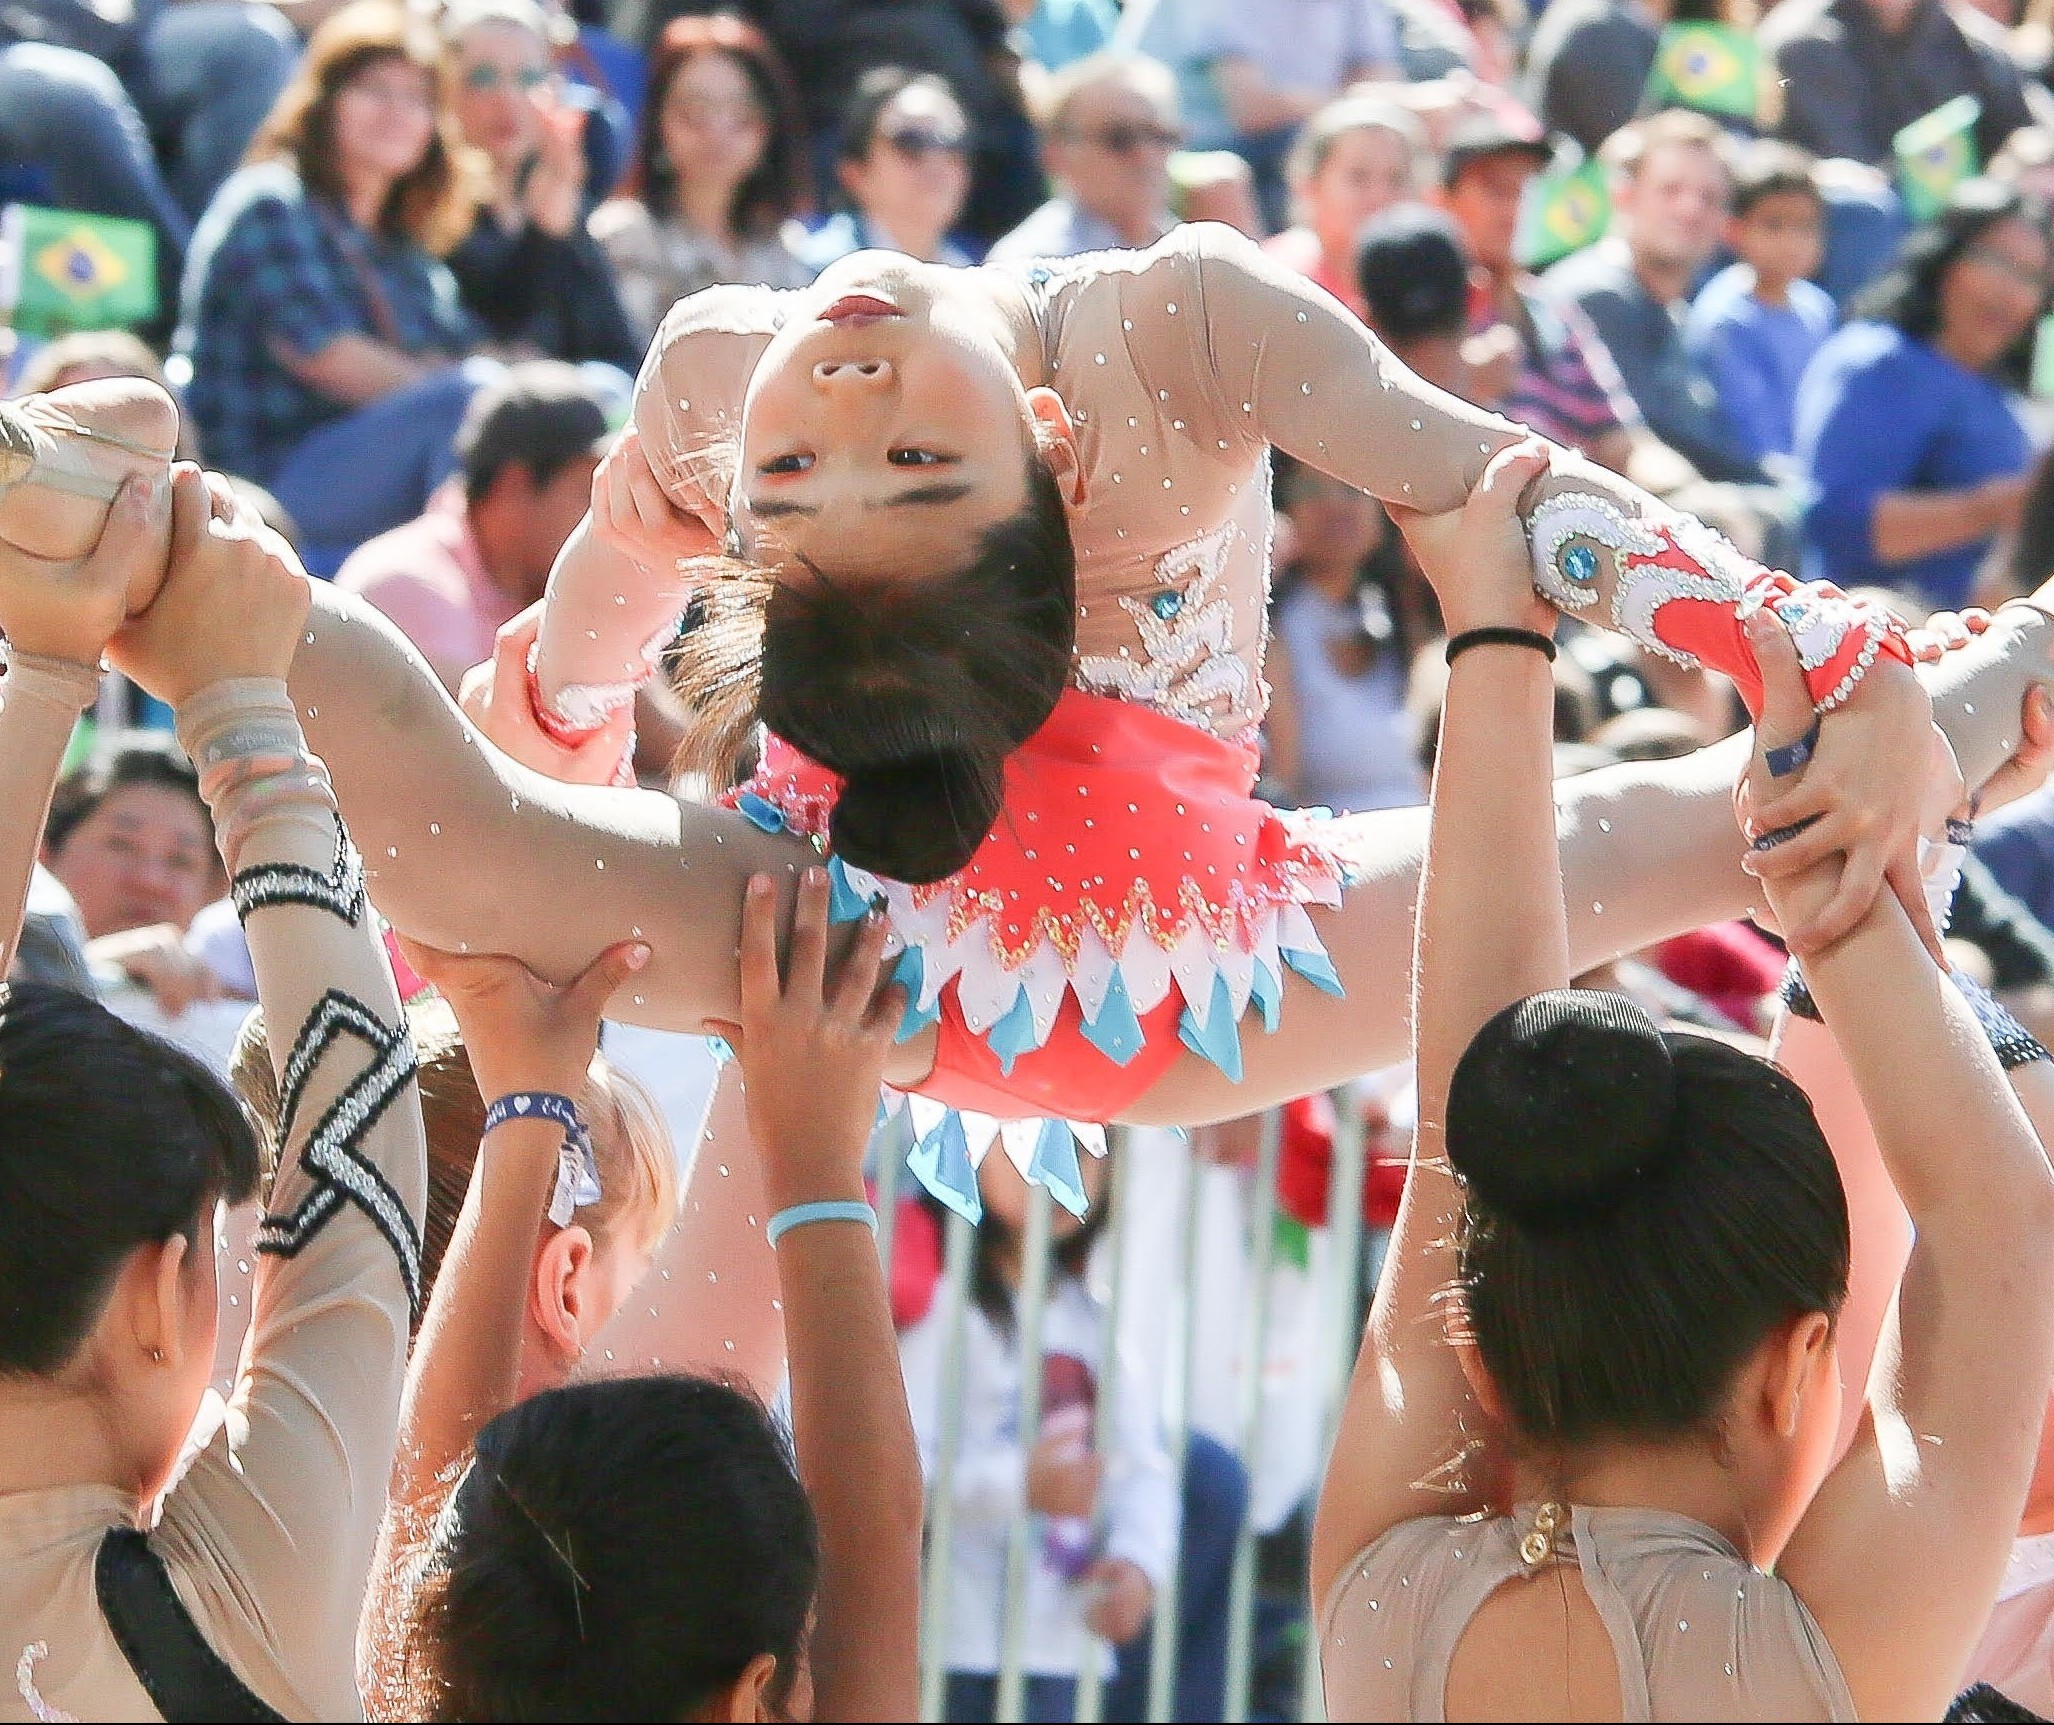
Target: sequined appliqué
pixel 340 891
pixel 1187 660
pixel 1566 533
pixel 25 1686
pixel 1689 561
pixel 331 1159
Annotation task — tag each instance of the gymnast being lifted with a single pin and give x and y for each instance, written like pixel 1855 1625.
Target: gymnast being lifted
pixel 987 555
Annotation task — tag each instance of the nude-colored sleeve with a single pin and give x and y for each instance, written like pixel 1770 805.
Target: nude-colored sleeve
pixel 269 1535
pixel 40 701
pixel 1296 370
pixel 607 619
pixel 467 850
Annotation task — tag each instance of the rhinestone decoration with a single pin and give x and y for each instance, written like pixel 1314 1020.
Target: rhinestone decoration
pixel 1566 531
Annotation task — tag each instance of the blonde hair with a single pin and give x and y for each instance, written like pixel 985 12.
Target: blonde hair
pixel 1346 114
pixel 118 351
pixel 638 1171
pixel 1627 150
pixel 1146 77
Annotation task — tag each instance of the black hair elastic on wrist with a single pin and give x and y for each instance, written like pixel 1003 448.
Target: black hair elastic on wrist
pixel 1498 635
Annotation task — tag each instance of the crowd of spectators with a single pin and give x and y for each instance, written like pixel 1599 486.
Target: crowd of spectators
pixel 358 228
pixel 411 258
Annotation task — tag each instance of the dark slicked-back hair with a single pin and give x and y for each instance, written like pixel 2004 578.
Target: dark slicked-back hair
pixel 913 691
pixel 110 1139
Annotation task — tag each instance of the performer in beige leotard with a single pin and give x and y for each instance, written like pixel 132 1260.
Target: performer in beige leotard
pixel 1585 1469
pixel 267 1535
pixel 1158 381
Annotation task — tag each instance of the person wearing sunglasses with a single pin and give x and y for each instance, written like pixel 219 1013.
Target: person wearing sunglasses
pixel 527 270
pixel 904 168
pixel 1110 126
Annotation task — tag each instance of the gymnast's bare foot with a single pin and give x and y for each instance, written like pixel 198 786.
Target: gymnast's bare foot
pixel 64 455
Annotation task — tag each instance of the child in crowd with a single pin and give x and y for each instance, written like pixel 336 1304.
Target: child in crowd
pixel 1756 324
pixel 583 1268
pixel 1105 1527
pixel 643 1547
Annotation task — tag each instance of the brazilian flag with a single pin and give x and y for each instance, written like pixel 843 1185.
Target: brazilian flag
pixel 1565 210
pixel 1935 153
pixel 61 270
pixel 1708 67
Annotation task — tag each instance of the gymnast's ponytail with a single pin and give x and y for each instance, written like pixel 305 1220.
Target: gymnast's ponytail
pixel 620 1549
pixel 1643 1209
pixel 913 691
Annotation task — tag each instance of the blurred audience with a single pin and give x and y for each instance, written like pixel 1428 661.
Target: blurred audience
pixel 1755 326
pixel 131 841
pixel 481 554
pixel 1910 442
pixel 1059 31
pixel 1110 123
pixel 1279 63
pixel 528 271
pixel 720 168
pixel 1078 1577
pixel 1215 186
pixel 1339 661
pixel 137 109
pixel 1353 159
pixel 1413 276
pixel 321 330
pixel 1671 188
pixel 903 170
pixel 1588 61
pixel 1564 383
pixel 1852 74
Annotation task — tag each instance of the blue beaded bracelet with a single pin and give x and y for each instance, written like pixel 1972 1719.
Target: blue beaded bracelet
pixel 828 1210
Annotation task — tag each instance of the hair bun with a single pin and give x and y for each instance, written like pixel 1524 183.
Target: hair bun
pixel 1560 1103
pixel 918 819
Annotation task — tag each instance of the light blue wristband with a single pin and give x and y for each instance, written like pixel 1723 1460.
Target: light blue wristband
pixel 828 1210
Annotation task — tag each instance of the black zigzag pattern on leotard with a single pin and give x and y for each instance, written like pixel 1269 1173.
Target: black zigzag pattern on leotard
pixel 331 1158
pixel 340 891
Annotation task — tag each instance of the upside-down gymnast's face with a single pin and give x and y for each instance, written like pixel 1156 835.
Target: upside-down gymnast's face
pixel 884 426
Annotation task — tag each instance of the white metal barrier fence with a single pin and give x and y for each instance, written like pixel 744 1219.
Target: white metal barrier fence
pixel 1339 1298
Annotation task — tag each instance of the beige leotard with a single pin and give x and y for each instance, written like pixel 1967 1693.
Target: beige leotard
pixel 1696 1631
pixel 1181 366
pixel 268 1534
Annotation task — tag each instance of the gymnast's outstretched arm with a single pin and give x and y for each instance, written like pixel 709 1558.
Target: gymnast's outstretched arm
pixel 467 849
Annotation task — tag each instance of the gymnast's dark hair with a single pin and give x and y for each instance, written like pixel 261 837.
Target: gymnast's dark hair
pixel 913 691
pixel 1643 1209
pixel 616 1550
pixel 1908 295
pixel 110 1138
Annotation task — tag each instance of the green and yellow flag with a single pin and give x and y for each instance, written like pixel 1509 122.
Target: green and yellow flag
pixel 1565 210
pixel 61 270
pixel 1935 153
pixel 1708 67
